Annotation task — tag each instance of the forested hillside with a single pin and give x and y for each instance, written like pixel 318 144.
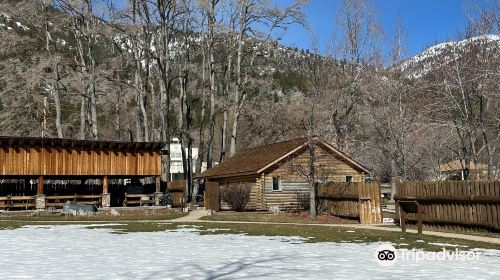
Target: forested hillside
pixel 214 74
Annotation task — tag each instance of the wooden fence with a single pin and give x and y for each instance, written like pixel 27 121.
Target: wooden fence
pixel 177 191
pixel 139 200
pixel 454 204
pixel 359 200
pixel 17 202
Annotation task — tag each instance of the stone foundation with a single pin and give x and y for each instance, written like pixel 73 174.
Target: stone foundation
pixel 158 196
pixel 40 202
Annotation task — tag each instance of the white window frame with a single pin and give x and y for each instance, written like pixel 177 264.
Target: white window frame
pixel 279 184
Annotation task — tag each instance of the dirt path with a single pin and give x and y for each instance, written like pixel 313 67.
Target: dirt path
pixel 193 217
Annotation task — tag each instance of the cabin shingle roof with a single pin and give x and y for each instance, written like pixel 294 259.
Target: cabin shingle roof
pixel 251 161
pixel 457 165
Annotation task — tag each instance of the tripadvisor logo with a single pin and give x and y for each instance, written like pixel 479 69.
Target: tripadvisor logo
pixel 386 255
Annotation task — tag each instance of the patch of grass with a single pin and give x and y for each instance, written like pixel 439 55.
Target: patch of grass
pixel 275 218
pixel 138 227
pixel 96 218
pixel 315 233
pixel 13 224
pixel 475 232
pixel 311 233
pixel 10 225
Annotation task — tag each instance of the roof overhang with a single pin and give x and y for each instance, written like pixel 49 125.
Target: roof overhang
pixel 346 157
pixel 228 175
pixel 263 169
pixel 61 143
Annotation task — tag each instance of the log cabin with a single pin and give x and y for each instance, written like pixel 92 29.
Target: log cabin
pixel 457 170
pixel 277 173
pixel 39 159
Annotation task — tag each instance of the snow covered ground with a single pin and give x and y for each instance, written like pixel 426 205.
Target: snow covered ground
pixel 75 252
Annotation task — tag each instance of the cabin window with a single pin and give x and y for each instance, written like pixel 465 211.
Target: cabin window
pixel 348 179
pixel 276 183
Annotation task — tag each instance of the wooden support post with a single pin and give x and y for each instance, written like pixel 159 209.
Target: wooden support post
pixel 158 193
pixel 158 181
pixel 105 197
pixel 402 217
pixel 39 189
pixel 105 184
pixel 420 217
pixel 40 202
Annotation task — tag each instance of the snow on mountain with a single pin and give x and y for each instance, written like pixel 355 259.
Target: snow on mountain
pixel 8 23
pixel 421 64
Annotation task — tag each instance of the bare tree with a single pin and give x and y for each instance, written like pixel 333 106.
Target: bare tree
pixel 467 101
pixel 166 12
pixel 184 53
pixel 358 51
pixel 84 31
pixel 53 85
pixel 209 7
pixel 140 44
pixel 393 115
pixel 251 13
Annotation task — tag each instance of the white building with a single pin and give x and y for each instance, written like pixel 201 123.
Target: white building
pixel 176 168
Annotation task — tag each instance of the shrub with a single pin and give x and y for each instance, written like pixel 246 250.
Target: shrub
pixel 237 196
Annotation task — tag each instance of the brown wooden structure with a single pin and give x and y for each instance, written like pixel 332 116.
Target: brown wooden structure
pixel 48 158
pixel 212 196
pixel 177 191
pixel 358 200
pixel 457 170
pixel 411 206
pixel 276 172
pixel 464 205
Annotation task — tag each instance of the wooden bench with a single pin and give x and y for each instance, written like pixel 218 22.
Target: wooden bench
pixel 7 202
pixel 139 199
pixel 410 206
pixel 61 200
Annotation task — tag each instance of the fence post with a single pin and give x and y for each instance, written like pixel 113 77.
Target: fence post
pixel 402 218
pixel 420 218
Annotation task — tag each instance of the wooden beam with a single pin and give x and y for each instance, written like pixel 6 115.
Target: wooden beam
pixel 105 184
pixel 39 189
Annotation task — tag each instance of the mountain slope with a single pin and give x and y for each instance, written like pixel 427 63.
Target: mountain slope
pixel 444 53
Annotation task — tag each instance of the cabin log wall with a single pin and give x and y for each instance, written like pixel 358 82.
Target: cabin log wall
pixel 255 194
pixel 329 168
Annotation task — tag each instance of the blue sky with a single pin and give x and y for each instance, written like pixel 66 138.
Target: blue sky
pixel 425 21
